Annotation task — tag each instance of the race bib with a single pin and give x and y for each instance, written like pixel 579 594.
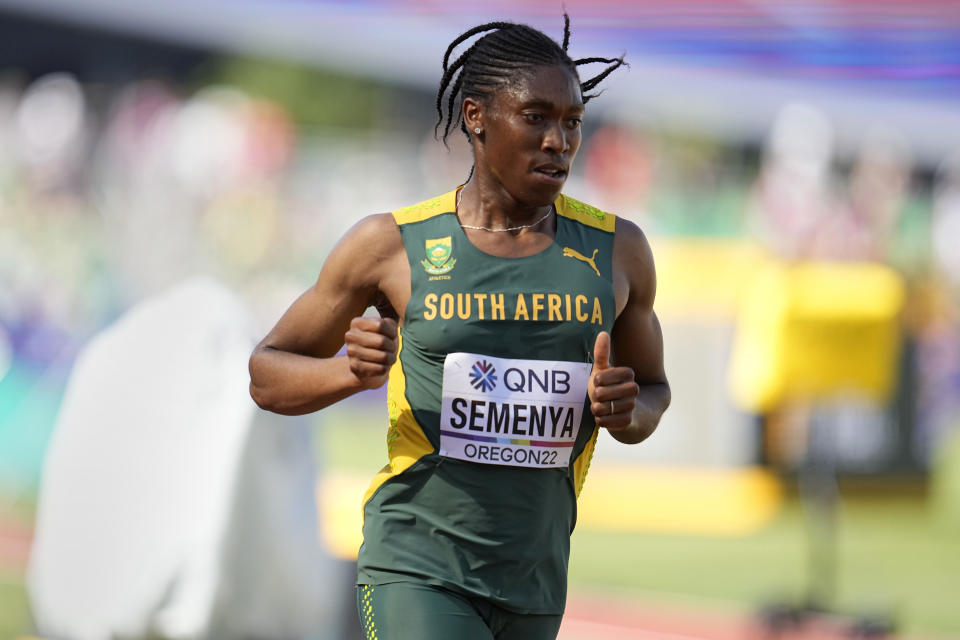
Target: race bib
pixel 521 413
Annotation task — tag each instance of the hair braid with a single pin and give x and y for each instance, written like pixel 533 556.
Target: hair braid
pixel 498 58
pixel 587 85
pixel 451 103
pixel 490 26
pixel 454 83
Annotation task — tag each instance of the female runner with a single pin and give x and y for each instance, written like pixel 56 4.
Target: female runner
pixel 515 324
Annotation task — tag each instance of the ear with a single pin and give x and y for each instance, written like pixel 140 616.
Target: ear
pixel 473 114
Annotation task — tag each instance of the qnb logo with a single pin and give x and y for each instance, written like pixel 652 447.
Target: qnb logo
pixel 483 376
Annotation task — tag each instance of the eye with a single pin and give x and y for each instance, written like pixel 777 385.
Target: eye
pixel 533 117
pixel 574 123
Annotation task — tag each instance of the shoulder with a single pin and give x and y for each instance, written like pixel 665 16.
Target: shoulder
pixel 366 250
pixel 376 237
pixel 380 233
pixel 633 259
pixel 633 240
pixel 373 231
pixel 425 210
pixel 585 213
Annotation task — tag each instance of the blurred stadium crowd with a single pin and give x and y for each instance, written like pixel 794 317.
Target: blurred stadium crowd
pixel 109 194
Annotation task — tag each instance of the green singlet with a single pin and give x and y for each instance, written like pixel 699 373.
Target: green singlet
pixel 490 431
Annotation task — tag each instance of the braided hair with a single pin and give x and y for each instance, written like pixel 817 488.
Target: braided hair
pixel 497 59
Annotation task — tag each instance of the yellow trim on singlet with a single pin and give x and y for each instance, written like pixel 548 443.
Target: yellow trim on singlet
pixel 585 214
pixel 582 464
pixel 406 441
pixel 566 206
pixel 427 209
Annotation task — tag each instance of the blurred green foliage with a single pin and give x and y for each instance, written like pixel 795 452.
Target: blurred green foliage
pixel 315 98
pixel 892 559
pixel 14 612
pixel 945 481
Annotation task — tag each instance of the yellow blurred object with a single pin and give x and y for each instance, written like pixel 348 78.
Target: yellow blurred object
pixel 339 505
pixel 812 330
pixel 703 277
pixel 695 501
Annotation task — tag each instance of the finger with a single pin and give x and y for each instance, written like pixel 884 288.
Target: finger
pixel 624 390
pixel 388 327
pixel 614 421
pixel 607 408
pixel 373 356
pixel 616 425
pixel 601 351
pixel 368 369
pixel 370 340
pixel 613 376
pixel 383 326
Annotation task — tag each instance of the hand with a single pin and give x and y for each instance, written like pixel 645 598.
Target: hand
pixel 612 390
pixel 371 349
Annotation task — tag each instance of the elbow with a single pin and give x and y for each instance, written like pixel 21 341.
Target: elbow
pixel 278 387
pixel 649 412
pixel 667 397
pixel 268 391
pixel 663 398
pixel 260 397
pixel 269 401
pixel 259 389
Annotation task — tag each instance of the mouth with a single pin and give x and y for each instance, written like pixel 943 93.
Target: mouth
pixel 552 172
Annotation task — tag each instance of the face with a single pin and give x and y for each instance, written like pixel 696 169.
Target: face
pixel 531 133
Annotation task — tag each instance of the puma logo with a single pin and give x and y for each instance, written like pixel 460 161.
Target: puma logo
pixel 573 253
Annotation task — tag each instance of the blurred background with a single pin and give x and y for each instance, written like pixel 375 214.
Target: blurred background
pixel 796 167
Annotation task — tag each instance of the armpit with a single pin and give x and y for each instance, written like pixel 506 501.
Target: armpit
pixel 383 306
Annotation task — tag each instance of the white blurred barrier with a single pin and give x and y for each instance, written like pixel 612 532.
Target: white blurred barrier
pixel 170 505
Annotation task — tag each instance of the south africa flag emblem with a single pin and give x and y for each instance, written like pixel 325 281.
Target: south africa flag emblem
pixel 439 256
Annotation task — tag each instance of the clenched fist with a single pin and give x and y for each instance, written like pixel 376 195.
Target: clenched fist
pixel 372 349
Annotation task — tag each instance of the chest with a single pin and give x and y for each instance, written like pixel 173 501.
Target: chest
pixel 464 299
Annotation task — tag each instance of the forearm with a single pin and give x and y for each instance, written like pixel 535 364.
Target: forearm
pixel 294 384
pixel 651 402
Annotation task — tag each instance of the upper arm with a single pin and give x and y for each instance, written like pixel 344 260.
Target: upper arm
pixel 637 339
pixel 355 275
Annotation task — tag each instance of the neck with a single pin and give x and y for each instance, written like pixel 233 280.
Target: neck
pixel 494 209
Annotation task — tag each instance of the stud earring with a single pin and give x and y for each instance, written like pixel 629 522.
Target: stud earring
pixel 477 131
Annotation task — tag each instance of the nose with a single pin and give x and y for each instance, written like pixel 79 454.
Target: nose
pixel 555 139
